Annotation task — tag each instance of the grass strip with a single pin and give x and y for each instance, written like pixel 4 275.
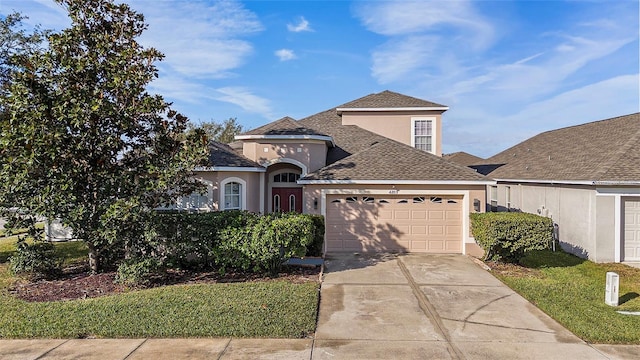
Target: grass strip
pixel 571 290
pixel 261 309
pixel 273 309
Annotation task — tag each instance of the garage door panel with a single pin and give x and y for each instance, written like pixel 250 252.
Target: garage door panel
pixel 417 224
pixel 436 215
pixel 418 230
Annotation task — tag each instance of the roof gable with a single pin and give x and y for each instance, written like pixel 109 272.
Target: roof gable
pixel 389 99
pixel 463 158
pixel 600 151
pixel 284 126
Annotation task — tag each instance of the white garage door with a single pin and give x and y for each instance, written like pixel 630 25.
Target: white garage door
pixel 632 230
pixel 394 223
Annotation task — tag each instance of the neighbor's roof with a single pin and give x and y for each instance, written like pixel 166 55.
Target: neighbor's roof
pixel 284 126
pixel 393 161
pixel 389 99
pixel 463 158
pixel 222 155
pixel 606 151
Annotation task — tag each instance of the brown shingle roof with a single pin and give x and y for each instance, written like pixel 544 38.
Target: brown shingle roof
pixel 391 160
pixel 388 99
pixel 348 139
pixel 463 158
pixel 223 155
pixel 600 151
pixel 284 126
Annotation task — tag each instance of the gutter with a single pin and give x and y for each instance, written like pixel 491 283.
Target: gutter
pixel 573 182
pixel 395 182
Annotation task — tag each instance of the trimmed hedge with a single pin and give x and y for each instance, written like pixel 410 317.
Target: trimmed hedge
pixel 228 240
pixel 509 236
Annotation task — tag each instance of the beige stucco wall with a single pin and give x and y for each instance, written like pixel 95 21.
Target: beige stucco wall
pixel 311 153
pixel 585 223
pixel 395 125
pixel 252 180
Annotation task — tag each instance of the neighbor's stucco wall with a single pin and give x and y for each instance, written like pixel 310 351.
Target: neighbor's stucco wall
pixel 585 223
pixel 395 125
pixel 605 228
pixel 311 153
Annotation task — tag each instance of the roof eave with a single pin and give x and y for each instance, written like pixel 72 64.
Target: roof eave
pixel 397 182
pixel 410 108
pixel 547 181
pixel 327 139
pixel 229 168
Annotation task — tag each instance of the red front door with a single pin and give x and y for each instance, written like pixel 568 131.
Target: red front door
pixel 286 199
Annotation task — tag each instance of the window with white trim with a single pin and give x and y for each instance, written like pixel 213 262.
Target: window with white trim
pixel 493 198
pixel 422 134
pixel 232 196
pixel 508 197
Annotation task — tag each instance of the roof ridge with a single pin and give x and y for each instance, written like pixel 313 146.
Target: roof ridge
pixel 633 141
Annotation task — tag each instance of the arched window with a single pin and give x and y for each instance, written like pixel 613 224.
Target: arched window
pixel 276 203
pixel 233 194
pixel 292 202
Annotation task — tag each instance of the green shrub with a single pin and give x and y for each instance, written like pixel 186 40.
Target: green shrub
pixel 509 236
pixel 316 247
pixel 138 271
pixel 35 261
pixel 265 243
pixel 186 240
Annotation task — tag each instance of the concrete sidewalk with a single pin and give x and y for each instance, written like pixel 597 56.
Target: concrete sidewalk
pixel 381 307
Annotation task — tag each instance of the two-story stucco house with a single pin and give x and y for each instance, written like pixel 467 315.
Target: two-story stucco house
pixel 585 177
pixel 372 167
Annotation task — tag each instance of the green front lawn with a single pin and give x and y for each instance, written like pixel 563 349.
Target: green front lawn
pixel 571 290
pixel 253 309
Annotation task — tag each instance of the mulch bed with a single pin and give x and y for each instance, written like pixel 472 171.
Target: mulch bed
pixel 77 283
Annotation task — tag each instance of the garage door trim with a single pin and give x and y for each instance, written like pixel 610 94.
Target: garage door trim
pixel 404 192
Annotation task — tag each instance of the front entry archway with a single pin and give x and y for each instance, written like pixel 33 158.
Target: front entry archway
pixel 284 193
pixel 284 199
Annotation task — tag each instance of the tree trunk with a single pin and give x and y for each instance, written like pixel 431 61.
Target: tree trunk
pixel 94 263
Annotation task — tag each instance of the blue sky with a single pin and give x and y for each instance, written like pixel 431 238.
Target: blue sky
pixel 507 69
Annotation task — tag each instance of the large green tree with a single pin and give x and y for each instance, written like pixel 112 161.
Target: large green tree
pixel 81 138
pixel 224 132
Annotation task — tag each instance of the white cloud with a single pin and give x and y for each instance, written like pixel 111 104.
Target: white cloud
pixel 243 97
pixel 302 25
pixel 200 39
pixel 393 18
pixel 285 54
pixel 421 35
pixel 398 59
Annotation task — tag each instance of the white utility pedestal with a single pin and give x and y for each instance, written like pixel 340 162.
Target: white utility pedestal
pixel 611 293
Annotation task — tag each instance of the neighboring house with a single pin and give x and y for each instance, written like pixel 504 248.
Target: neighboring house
pixel 585 177
pixel 372 167
pixel 463 158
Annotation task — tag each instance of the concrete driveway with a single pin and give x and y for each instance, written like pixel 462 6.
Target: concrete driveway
pixel 432 306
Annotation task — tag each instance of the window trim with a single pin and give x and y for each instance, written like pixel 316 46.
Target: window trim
pixel 243 193
pixel 434 132
pixel 507 193
pixel 493 200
